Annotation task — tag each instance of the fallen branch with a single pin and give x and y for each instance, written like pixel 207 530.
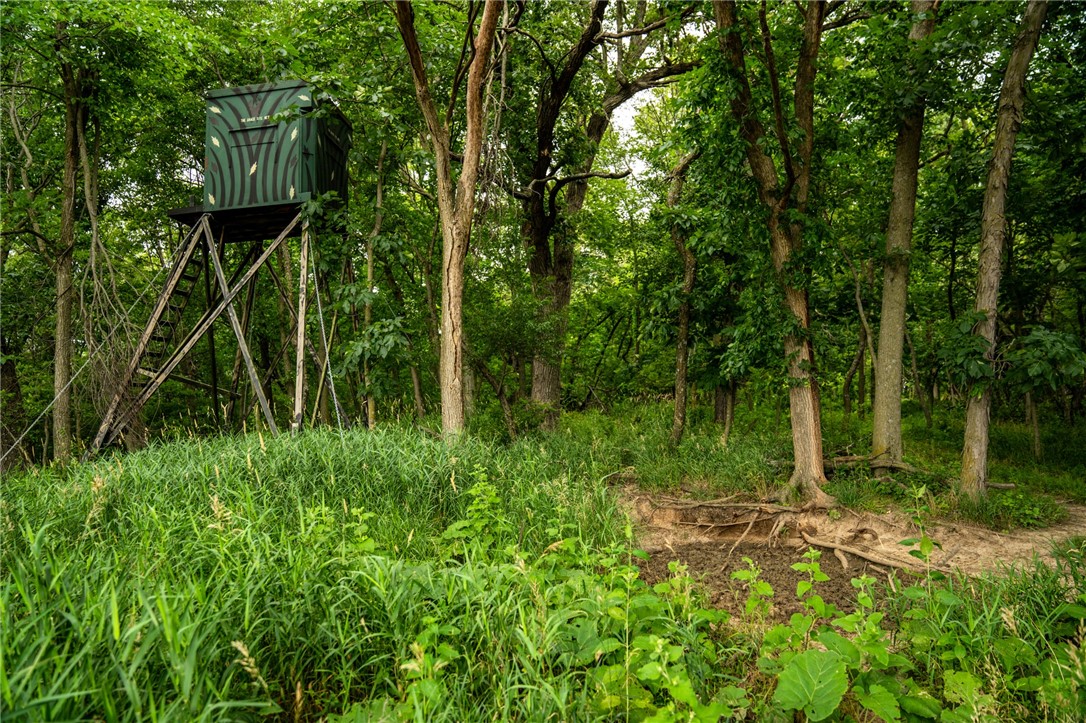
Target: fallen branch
pixel 869 556
pixel 714 525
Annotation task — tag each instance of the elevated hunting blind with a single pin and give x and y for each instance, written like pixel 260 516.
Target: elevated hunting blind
pixel 272 144
pixel 269 148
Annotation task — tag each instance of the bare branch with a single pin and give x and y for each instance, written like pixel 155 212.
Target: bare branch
pixel 646 29
pixel 847 19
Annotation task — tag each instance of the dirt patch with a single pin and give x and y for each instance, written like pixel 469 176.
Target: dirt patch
pixel 712 537
pixel 709 564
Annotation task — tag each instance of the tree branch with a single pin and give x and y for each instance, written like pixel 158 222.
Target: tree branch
pixel 539 47
pixel 562 182
pixel 654 78
pixel 467 45
pixel 646 29
pixel 778 110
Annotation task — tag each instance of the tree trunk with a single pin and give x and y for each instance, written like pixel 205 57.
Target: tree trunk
pixel 62 339
pixel 416 387
pixel 856 366
pixel 726 409
pixel 1012 98
pixel 551 243
pixel 886 445
pixel 678 424
pixel 378 216
pixel 922 394
pixel 456 203
pixel 786 237
pixel 1035 425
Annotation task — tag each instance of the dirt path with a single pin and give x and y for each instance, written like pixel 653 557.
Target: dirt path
pixel 713 537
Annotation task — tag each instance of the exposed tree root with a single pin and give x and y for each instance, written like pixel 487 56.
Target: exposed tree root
pixel 869 556
pixel 743 536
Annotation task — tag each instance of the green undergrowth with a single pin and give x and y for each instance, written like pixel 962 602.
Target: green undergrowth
pixel 633 439
pixel 389 576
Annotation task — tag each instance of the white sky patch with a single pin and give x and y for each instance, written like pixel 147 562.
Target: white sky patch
pixel 622 123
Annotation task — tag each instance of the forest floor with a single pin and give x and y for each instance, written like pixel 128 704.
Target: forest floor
pixel 712 538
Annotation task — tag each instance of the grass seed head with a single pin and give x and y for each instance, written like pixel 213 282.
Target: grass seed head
pixel 248 664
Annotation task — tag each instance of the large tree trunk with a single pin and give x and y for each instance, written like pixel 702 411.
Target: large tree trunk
pixel 1012 99
pixel 678 424
pixel 786 239
pixel 456 203
pixel 886 446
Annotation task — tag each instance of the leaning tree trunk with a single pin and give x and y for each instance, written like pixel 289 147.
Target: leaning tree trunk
pixel 690 267
pixel 886 445
pixel 1012 99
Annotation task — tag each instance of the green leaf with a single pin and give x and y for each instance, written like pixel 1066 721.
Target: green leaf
pixel 841 645
pixel 945 597
pixel 814 682
pixel 650 671
pixel 879 701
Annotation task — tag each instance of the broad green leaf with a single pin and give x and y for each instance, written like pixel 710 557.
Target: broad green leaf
pixel 814 682
pixel 879 701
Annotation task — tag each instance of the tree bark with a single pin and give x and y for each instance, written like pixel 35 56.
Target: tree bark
pixel 62 339
pixel 856 366
pixel 1012 99
pixel 690 267
pixel 1035 425
pixel 922 392
pixel 456 203
pixel 886 444
pixel 378 216
pixel 786 238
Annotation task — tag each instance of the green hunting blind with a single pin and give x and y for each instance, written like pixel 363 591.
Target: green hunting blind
pixel 272 144
pixel 269 148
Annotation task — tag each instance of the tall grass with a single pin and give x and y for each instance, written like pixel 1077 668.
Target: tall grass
pixel 212 578
pixel 387 575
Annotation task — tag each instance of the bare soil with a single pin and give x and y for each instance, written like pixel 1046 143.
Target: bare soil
pixel 712 537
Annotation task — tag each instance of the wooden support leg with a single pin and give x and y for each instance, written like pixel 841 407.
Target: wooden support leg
pixel 314 354
pixel 299 368
pixel 211 344
pixel 246 317
pixel 239 332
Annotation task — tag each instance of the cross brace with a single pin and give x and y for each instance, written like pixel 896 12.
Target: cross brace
pixel 165 318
